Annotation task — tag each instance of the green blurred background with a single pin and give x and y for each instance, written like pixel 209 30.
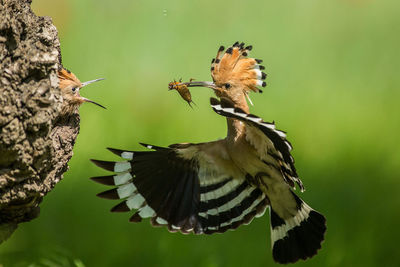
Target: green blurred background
pixel 333 85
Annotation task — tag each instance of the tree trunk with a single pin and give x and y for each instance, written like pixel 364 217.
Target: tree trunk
pixel 35 141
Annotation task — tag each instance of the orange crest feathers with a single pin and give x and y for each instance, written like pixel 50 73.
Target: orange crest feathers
pixel 65 77
pixel 236 69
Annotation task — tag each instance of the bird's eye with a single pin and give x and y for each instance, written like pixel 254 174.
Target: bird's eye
pixel 74 89
pixel 227 86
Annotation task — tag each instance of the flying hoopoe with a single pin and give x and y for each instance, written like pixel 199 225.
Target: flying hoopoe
pixel 216 186
pixel 70 86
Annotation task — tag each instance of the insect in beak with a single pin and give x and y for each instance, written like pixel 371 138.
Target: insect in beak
pixel 84 99
pixel 182 89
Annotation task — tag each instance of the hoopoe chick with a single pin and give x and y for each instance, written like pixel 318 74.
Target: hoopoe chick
pixel 216 186
pixel 70 87
pixel 182 90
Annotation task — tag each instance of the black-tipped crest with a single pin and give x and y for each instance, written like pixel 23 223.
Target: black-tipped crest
pixel 263 75
pixel 234 67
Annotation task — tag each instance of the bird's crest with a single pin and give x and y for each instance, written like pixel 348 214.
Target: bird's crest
pixel 66 77
pixel 235 68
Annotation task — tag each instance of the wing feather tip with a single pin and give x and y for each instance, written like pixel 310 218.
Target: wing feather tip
pixel 121 207
pixel 135 218
pixel 106 180
pixel 107 165
pixel 109 194
pixel 115 151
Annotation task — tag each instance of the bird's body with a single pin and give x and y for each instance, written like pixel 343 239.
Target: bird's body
pixel 220 185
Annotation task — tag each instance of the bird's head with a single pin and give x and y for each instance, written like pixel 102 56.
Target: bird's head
pixel 70 87
pixel 234 74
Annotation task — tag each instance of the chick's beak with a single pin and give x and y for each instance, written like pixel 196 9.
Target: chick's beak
pixel 84 99
pixel 92 81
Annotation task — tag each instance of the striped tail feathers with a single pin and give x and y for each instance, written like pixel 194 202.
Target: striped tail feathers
pixel 225 107
pixel 298 237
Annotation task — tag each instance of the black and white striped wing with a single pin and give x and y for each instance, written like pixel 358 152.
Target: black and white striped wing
pixel 269 141
pixel 180 188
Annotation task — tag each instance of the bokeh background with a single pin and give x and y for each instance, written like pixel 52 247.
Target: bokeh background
pixel 333 85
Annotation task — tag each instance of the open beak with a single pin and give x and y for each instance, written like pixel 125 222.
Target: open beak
pixel 92 81
pixel 84 99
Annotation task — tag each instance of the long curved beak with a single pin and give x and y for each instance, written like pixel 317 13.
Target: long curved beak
pixel 201 84
pixel 84 99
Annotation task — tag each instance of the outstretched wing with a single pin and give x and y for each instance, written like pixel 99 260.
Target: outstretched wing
pixel 186 187
pixel 270 143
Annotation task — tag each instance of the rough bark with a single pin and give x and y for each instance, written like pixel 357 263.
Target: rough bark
pixel 35 142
